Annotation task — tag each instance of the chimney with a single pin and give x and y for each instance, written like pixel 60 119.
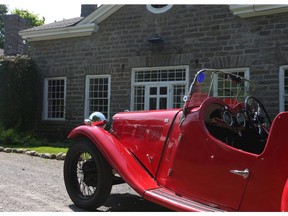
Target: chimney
pixel 14 43
pixel 87 9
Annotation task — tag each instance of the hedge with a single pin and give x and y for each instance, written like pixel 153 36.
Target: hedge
pixel 19 91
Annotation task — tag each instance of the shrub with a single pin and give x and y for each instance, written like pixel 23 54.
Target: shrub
pixel 18 92
pixel 10 137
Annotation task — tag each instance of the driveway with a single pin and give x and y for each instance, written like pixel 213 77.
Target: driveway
pixel 35 184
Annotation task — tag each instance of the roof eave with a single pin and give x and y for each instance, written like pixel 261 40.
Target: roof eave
pixel 59 33
pixel 251 10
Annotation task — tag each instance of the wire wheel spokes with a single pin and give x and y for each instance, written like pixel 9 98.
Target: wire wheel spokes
pixel 86 190
pixel 86 174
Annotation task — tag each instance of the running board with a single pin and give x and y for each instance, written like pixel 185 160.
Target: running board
pixel 170 200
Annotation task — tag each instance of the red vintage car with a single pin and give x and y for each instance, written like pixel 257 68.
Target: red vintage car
pixel 220 152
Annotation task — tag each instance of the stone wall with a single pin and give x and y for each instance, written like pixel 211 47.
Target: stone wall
pixel 201 36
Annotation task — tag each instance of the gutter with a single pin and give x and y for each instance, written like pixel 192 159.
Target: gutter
pixel 244 11
pixel 59 33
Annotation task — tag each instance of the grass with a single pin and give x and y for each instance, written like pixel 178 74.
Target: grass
pixel 40 149
pixel 49 149
pixel 10 138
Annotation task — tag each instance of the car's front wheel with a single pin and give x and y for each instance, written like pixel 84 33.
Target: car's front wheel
pixel 87 175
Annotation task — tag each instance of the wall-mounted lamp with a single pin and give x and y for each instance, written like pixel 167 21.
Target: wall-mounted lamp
pixel 155 43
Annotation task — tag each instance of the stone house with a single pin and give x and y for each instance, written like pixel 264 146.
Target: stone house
pixel 141 57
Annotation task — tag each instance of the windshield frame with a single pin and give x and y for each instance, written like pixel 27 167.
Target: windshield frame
pixel 195 97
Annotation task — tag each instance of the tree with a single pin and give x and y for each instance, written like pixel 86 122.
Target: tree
pixel 19 91
pixel 31 17
pixel 3 12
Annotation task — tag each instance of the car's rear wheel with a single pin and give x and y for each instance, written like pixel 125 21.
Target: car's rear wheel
pixel 87 175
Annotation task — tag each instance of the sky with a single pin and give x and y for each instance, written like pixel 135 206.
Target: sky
pixel 52 10
pixel 57 10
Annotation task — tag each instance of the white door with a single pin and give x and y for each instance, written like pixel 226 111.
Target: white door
pixel 157 97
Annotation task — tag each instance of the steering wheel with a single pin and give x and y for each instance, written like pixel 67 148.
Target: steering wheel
pixel 258 115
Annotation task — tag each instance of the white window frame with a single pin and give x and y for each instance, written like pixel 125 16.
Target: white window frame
pixel 282 87
pixel 86 108
pixel 45 115
pixel 170 84
pixel 245 70
pixel 157 96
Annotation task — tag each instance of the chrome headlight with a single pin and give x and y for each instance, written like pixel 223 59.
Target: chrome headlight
pixel 96 119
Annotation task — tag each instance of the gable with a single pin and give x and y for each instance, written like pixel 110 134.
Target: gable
pixel 79 26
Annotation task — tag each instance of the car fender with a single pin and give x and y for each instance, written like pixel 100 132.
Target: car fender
pixel 119 157
pixel 284 200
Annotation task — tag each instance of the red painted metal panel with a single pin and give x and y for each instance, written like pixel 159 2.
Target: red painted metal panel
pixel 144 133
pixel 270 171
pixel 202 164
pixel 118 156
pixel 284 200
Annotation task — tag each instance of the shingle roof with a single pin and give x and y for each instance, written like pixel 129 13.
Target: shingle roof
pixel 58 24
pixel 75 27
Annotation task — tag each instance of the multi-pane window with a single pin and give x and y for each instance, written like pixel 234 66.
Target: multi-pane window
pixel 97 95
pixel 54 98
pixel 225 88
pixel 160 75
pixel 283 88
pixel 178 94
pixel 139 97
pixel 159 88
pixel 157 97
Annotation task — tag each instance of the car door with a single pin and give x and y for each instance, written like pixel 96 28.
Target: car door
pixel 208 170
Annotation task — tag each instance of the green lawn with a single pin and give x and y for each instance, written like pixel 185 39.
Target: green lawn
pixel 10 138
pixel 40 149
pixel 48 149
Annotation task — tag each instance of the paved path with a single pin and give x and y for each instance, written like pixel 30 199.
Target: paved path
pixel 35 184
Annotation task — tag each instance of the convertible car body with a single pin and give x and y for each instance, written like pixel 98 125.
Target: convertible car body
pixel 220 152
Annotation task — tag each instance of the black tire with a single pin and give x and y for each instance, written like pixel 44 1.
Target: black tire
pixel 87 175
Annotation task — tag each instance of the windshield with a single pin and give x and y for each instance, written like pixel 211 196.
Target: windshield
pixel 230 87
